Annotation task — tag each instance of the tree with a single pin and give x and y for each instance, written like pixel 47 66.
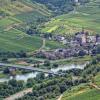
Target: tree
pixel 40 76
pixel 4 59
pixel 82 53
pixel 55 65
pixel 98 58
pixel 46 63
pixel 6 71
pixel 30 82
pixel 94 61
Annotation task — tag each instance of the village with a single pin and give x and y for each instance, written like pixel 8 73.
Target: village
pixel 78 45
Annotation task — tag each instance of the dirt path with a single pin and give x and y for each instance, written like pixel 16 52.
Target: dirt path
pixel 95 86
pixel 36 51
pixel 43 45
pixel 60 97
pixel 19 94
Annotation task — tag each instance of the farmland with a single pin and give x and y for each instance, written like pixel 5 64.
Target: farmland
pixel 86 16
pixel 18 13
pixel 15 40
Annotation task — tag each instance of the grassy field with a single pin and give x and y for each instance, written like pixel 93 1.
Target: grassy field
pixel 97 79
pixel 87 16
pixel 15 40
pixel 53 45
pixel 82 93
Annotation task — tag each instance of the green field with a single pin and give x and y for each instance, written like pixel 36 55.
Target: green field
pixel 82 93
pixel 53 45
pixel 87 16
pixel 97 79
pixel 15 40
pixel 18 14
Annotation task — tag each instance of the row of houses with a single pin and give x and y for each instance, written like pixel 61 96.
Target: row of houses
pixel 61 53
pixel 80 38
pixel 84 38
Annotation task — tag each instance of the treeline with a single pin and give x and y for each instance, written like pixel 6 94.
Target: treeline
pixel 4 55
pixel 9 88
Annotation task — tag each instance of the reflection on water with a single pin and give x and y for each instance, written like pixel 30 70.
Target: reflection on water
pixel 25 77
pixel 68 67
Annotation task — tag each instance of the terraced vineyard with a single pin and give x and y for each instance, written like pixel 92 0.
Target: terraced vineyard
pixel 82 93
pixel 15 40
pixel 13 14
pixel 87 16
pixel 22 6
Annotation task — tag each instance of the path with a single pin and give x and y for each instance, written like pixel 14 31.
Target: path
pixel 60 97
pixel 95 86
pixel 41 48
pixel 19 94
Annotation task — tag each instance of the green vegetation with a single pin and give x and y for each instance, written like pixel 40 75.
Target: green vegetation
pixel 11 87
pixel 15 14
pixel 75 60
pixel 87 91
pixel 82 93
pixel 2 75
pixel 86 16
pixel 76 89
pixel 61 6
pixel 14 7
pixel 97 79
pixel 53 45
pixel 15 40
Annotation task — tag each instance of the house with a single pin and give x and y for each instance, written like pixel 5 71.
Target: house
pixel 81 37
pixel 98 40
pixel 59 38
pixel 91 39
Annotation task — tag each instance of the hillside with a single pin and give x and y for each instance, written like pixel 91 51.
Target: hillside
pixel 82 93
pixel 86 16
pixel 13 7
pixel 16 16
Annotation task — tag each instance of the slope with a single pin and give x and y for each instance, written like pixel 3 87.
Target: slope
pixel 82 93
pixel 12 13
pixel 86 16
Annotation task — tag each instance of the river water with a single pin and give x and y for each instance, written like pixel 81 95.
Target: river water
pixel 25 77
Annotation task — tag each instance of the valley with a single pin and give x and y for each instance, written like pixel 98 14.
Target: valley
pixel 49 49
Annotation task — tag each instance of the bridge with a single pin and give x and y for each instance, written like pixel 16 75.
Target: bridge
pixel 28 68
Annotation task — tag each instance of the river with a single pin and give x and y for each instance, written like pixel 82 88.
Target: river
pixel 25 77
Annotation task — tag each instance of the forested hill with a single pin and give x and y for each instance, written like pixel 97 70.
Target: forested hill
pixel 61 6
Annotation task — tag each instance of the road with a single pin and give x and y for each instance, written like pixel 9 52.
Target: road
pixel 19 94
pixel 27 68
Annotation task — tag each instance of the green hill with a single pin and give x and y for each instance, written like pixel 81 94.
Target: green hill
pixel 86 16
pixel 15 40
pixel 15 13
pixel 82 93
